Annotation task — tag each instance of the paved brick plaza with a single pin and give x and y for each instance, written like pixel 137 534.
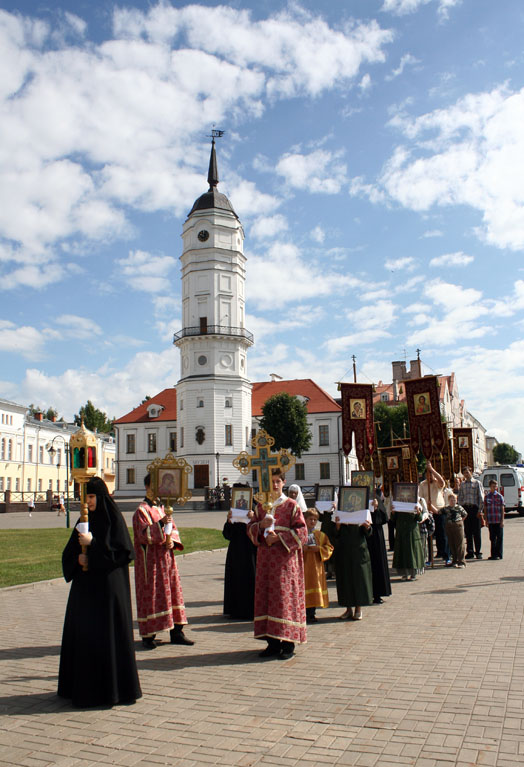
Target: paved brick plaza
pixel 433 678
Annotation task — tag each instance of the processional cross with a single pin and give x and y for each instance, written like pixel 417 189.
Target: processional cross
pixel 262 462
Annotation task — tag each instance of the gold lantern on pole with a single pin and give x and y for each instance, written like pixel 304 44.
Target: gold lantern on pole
pixel 83 462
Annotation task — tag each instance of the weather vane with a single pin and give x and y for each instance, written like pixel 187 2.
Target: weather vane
pixel 216 133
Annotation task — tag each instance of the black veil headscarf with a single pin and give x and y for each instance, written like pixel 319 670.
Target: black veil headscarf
pixel 107 524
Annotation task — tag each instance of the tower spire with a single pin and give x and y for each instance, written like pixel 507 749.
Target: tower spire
pixel 212 174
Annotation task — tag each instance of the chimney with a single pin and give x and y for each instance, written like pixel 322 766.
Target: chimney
pixel 399 370
pixel 53 418
pixel 415 369
pixel 39 416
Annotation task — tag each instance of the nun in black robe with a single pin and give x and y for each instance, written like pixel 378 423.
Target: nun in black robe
pixel 239 576
pixel 97 659
pixel 378 554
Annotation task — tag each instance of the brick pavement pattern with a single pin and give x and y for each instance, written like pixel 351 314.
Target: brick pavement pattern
pixel 432 678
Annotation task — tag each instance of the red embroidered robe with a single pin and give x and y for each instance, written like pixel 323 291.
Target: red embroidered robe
pixel 159 598
pixel 280 610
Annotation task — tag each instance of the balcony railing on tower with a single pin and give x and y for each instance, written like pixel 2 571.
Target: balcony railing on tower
pixel 213 330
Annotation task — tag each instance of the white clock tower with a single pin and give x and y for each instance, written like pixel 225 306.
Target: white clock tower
pixel 213 393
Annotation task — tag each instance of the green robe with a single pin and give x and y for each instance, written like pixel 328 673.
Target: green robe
pixel 353 566
pixel 409 553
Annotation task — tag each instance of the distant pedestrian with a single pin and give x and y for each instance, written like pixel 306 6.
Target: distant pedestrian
pixel 31 506
pixel 471 497
pixel 494 504
pixel 454 516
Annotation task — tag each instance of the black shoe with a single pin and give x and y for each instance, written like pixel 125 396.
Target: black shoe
pixel 492 557
pixel 270 652
pixel 286 655
pixel 378 601
pixel 148 643
pixel 180 638
pixel 312 619
pixel 479 556
pixel 470 556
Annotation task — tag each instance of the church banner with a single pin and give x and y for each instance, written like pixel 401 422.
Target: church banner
pixel 394 467
pixel 462 449
pixel 425 425
pixel 357 419
pixel 442 462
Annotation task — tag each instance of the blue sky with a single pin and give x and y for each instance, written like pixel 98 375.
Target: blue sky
pixel 373 151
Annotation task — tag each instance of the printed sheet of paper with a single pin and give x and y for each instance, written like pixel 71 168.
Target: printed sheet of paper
pixel 239 515
pixel 353 517
pixel 405 507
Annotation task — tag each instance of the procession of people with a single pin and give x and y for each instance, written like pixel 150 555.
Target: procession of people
pixel 275 572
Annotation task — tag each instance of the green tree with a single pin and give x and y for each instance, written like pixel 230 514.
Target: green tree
pixel 94 419
pixel 391 421
pixel 505 453
pixel 284 417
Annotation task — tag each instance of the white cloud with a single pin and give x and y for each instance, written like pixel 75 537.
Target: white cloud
pixel 405 61
pixel 282 275
pixel 406 263
pixel 318 234
pixel 452 259
pixel 320 171
pixel 268 226
pixel 343 343
pixel 401 7
pixel 97 129
pixel 113 391
pixel 24 340
pixel 433 233
pixel 78 327
pixel 365 83
pixel 464 155
pixel 143 271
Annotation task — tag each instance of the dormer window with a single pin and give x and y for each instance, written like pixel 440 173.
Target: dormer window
pixel 154 410
pixel 384 397
pixel 229 402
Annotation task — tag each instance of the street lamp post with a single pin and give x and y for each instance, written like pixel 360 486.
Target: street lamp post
pixel 51 449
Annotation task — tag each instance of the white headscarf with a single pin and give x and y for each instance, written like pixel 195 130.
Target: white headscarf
pixel 300 498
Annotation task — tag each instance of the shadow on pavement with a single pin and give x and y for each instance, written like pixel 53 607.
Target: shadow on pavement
pixel 145 660
pixel 29 652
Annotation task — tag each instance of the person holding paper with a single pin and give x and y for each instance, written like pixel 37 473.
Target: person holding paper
pixel 408 555
pixel 316 551
pixel 280 611
pixel 97 659
pixel 239 576
pixel 353 568
pixel 159 598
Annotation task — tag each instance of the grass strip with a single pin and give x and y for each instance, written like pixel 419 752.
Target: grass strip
pixel 27 556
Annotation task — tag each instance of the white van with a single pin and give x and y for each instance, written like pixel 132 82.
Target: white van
pixel 510 484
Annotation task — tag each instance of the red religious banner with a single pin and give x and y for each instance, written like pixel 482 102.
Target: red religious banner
pixel 462 449
pixel 425 425
pixel 394 467
pixel 442 462
pixel 357 418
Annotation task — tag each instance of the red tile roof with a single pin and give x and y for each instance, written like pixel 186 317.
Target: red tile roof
pixel 318 401
pixel 166 398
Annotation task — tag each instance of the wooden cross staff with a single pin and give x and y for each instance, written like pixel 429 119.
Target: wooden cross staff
pixel 262 462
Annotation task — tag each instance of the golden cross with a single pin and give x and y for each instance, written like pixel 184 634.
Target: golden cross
pixel 262 462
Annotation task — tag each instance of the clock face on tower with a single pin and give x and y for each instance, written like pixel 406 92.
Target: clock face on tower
pixel 203 235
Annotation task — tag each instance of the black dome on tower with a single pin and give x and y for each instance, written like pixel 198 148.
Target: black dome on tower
pixel 212 198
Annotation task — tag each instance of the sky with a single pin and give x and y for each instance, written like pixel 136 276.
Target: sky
pixel 373 150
